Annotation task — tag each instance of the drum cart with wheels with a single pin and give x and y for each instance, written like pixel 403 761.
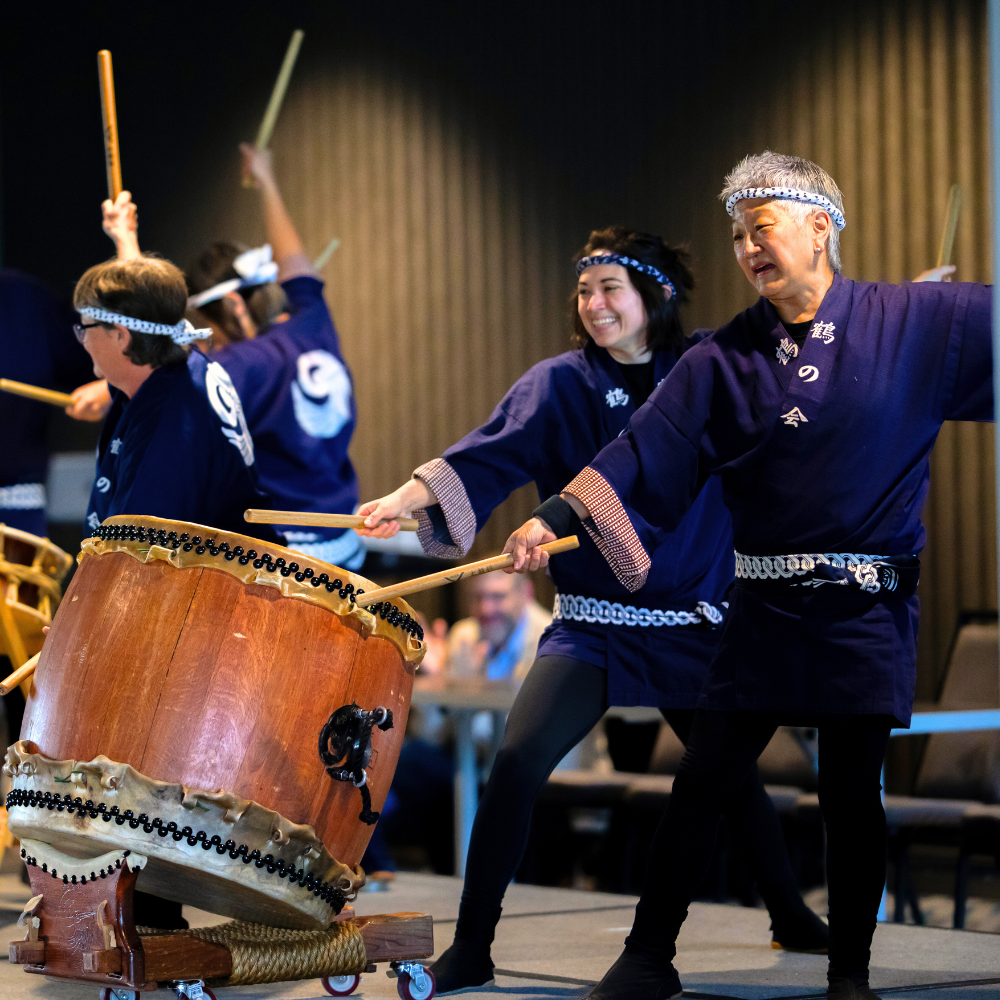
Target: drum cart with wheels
pixel 83 930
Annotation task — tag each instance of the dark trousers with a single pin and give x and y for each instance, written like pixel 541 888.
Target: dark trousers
pixel 721 755
pixel 561 700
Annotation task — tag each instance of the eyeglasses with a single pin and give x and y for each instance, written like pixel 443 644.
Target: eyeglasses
pixel 80 329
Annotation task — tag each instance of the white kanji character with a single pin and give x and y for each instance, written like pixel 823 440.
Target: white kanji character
pixel 787 350
pixel 794 416
pixel 824 332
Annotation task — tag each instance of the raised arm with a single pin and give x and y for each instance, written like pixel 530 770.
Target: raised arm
pixel 121 223
pixel 281 233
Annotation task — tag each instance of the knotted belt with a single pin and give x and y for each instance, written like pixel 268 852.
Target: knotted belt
pixel 593 611
pixel 885 576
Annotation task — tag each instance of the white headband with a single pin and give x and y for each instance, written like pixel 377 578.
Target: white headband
pixel 788 194
pixel 181 333
pixel 254 267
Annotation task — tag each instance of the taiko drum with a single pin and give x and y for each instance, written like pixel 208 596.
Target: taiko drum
pixel 221 708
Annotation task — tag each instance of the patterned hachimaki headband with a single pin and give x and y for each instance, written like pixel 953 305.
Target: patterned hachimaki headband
pixel 617 258
pixel 788 194
pixel 180 333
pixel 254 267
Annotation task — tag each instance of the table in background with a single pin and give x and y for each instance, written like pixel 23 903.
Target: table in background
pixel 464 699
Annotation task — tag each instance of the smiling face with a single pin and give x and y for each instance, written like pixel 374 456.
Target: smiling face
pixel 611 311
pixel 777 248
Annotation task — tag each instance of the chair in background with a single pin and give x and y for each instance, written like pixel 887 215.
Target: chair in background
pixel 959 775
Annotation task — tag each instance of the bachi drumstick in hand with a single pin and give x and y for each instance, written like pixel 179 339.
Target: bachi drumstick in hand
pixel 306 518
pixel 446 576
pixel 20 675
pixel 277 96
pixel 950 225
pixel 35 392
pixel 109 115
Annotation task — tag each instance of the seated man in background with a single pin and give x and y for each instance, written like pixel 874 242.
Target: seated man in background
pixel 497 642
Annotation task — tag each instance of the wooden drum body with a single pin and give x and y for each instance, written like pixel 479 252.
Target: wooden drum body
pixel 31 572
pixel 189 679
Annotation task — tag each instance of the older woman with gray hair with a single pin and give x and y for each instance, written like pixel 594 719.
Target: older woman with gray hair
pixel 817 408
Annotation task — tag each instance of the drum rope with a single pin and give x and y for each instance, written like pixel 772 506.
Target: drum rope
pixel 331 894
pixel 185 542
pixel 263 954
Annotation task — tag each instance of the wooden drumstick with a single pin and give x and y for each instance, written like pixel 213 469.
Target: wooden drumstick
pixel 320 262
pixel 20 675
pixel 255 516
pixel 62 399
pixel 112 156
pixel 950 225
pixel 277 95
pixel 460 573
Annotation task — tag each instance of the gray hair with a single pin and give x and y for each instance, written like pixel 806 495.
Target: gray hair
pixel 769 169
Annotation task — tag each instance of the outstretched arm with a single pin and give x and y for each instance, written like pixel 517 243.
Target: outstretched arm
pixel 121 223
pixel 380 515
pixel 281 233
pixel 524 543
pixel 90 402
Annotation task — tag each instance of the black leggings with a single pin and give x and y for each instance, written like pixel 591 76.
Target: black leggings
pixel 561 700
pixel 721 756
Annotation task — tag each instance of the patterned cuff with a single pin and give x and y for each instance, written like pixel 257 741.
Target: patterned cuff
pixel 446 485
pixel 610 528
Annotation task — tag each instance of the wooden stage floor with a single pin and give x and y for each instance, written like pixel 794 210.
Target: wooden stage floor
pixel 551 943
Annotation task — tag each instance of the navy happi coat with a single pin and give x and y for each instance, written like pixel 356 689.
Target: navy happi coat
pixel 180 450
pixel 298 398
pixel 823 450
pixel 551 423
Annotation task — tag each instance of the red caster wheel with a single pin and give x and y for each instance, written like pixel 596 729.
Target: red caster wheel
pixel 341 986
pixel 115 993
pixel 416 984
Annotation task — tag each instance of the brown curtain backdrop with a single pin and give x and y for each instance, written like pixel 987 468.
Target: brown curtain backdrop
pixel 457 221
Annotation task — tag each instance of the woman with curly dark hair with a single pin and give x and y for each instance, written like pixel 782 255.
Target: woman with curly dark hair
pixel 600 649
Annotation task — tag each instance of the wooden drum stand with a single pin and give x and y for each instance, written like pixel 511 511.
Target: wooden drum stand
pixel 82 929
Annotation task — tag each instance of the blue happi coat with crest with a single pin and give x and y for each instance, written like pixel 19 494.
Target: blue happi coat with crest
pixel 550 424
pixel 820 450
pixel 179 449
pixel 298 397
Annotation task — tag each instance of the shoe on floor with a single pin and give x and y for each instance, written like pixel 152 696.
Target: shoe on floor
pixel 844 989
pixel 464 966
pixel 638 976
pixel 805 932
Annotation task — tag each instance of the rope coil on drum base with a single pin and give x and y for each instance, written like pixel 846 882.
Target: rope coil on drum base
pixel 263 954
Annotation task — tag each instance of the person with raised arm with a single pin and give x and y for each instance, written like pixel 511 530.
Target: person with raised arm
pixel 273 334
pixel 815 412
pixel 602 648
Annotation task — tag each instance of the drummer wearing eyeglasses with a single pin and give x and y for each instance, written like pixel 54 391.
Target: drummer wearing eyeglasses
pixel 175 443
pixel 270 328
